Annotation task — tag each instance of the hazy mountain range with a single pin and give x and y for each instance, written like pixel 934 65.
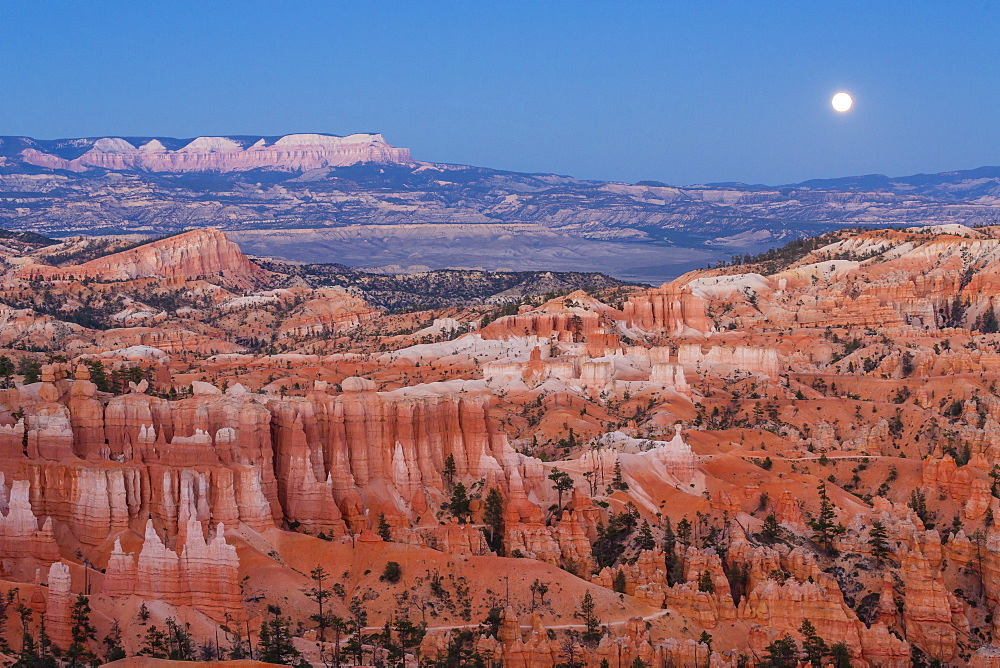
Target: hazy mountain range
pixel 364 202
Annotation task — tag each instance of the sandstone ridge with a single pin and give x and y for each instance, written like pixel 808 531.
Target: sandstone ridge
pixel 200 252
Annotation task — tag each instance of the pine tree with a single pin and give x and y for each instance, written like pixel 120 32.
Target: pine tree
pixel 459 503
pixel 82 631
pixel 392 572
pixel 877 540
pixel 28 656
pixel 113 648
pixel 493 519
pixel 988 323
pixel 571 653
pixel 540 589
pixel 619 583
pixel 179 642
pixel 410 635
pixel 449 470
pixel 31 369
pixel 841 655
pixel 592 635
pixel 706 583
pixel 825 527
pixel 979 541
pixel 739 579
pixel 645 540
pixel 207 652
pixel 617 481
pixel 706 639
pixel 918 504
pixel 98 375
pixel 384 530
pixel 561 483
pixel 770 533
pixel 814 646
pixel 276 639
pixel 154 644
pixel 356 627
pixel 684 531
pixel 338 625
pixel 237 648
pixel 782 653
pixel 319 593
pixel 5 603
pixel 46 650
pixel 461 651
pixel 671 563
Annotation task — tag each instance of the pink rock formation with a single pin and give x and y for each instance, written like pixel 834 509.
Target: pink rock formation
pixel 946 476
pixel 180 474
pixel 625 646
pixel 929 607
pixel 644 579
pixel 351 439
pixel 576 317
pixel 12 440
pixel 200 252
pixel 50 434
pixel 173 340
pixel 574 545
pixel 455 538
pixel 58 621
pixel 20 536
pixel 86 416
pixel 304 488
pixel 788 511
pixel 784 606
pixel 205 575
pixel 332 310
pixel 668 309
pixel 724 359
pixel 297 152
pixel 669 374
pixel 94 502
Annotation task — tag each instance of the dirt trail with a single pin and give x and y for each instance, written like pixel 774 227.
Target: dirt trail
pixel 619 622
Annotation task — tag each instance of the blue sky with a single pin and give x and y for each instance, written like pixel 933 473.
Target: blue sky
pixel 682 93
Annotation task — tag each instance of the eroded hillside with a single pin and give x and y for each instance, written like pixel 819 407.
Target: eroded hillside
pixel 792 458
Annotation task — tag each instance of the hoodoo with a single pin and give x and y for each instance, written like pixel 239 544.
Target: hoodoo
pixel 798 450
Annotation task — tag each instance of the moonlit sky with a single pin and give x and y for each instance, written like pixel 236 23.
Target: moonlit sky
pixel 676 92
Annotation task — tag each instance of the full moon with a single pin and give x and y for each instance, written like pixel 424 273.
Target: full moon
pixel 842 102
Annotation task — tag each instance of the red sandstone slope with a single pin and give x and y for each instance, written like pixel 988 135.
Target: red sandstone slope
pixel 200 252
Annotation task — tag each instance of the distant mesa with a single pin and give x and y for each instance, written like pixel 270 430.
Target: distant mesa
pixel 295 152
